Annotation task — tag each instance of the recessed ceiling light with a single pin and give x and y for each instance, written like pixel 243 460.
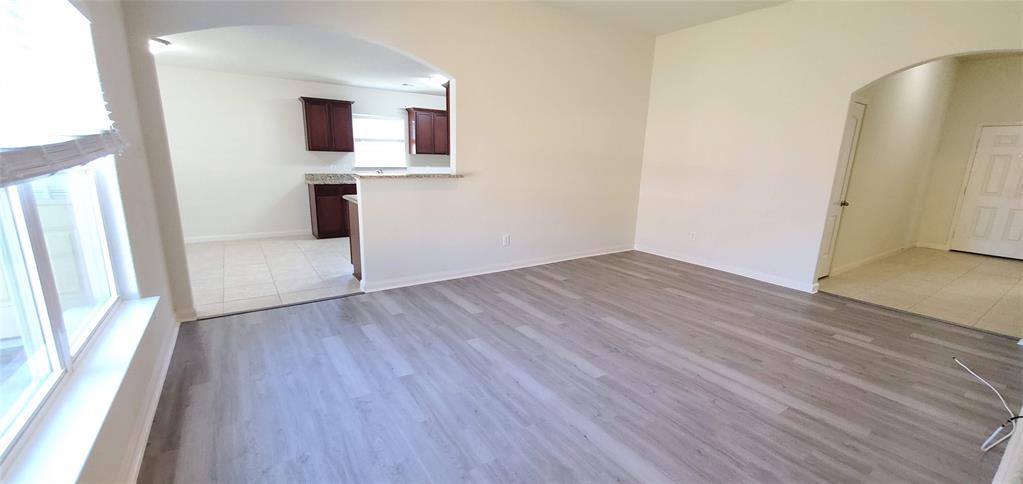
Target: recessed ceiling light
pixel 158 45
pixel 407 84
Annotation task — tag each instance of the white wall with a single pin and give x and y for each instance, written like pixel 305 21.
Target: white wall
pixel 988 90
pixel 898 139
pixel 238 148
pixel 118 449
pixel 549 110
pixel 746 116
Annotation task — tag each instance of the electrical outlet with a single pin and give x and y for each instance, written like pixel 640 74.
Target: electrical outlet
pixel 506 240
pixel 692 235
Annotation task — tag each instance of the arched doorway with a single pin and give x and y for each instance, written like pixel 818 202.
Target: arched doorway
pixel 923 213
pixel 268 129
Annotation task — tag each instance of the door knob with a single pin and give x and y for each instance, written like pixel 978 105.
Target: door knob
pixel 844 203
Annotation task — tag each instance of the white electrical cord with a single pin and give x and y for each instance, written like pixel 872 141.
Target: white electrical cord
pixel 990 442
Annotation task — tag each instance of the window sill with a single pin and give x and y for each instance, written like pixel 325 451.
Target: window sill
pixel 70 420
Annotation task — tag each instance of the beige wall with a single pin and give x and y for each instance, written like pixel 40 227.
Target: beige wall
pixel 746 117
pixel 548 130
pixel 898 139
pixel 118 449
pixel 988 90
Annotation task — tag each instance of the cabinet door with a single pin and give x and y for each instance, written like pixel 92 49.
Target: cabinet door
pixel 440 134
pixel 341 127
pixel 425 133
pixel 330 215
pixel 317 125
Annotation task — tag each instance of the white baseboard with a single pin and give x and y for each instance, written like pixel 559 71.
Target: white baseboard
pixel 155 390
pixel 874 258
pixel 368 285
pixel 928 245
pixel 805 286
pixel 184 315
pixel 249 236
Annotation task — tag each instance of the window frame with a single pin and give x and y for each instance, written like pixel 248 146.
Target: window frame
pixel 46 298
pixel 403 139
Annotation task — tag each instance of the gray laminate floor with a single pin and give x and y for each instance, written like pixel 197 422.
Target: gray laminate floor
pixel 619 368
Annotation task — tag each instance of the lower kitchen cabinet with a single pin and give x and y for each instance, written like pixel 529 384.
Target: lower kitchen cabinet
pixel 327 211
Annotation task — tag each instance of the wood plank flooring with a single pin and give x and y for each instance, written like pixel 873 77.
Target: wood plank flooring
pixel 619 368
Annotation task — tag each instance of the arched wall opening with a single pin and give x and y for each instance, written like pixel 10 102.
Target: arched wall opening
pixel 263 216
pixel 924 207
pixel 511 125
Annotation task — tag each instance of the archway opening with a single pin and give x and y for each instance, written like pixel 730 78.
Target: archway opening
pixel 926 212
pixel 269 129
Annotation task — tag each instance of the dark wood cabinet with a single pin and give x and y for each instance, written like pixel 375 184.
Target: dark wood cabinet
pixel 327 210
pixel 428 132
pixel 328 124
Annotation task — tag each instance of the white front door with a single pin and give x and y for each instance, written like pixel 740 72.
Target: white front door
pixel 991 212
pixel 837 204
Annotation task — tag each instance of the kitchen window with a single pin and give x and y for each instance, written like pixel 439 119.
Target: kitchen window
pixel 57 277
pixel 379 141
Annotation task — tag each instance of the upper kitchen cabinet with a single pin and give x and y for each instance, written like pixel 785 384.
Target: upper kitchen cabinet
pixel 328 124
pixel 428 131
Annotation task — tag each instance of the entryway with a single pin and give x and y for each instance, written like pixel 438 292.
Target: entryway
pixel 967 289
pixel 926 213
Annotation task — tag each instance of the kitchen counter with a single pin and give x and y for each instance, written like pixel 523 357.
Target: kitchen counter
pixel 405 175
pixel 351 198
pixel 329 179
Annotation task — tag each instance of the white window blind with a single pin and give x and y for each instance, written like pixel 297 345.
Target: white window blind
pixel 54 116
pixel 58 208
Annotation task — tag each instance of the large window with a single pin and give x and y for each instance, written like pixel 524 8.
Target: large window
pixel 57 283
pixel 379 141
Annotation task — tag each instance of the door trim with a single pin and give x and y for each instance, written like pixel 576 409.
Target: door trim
pixel 957 210
pixel 843 189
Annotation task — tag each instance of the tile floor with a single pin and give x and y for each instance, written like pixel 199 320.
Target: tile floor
pixel 967 289
pixel 237 276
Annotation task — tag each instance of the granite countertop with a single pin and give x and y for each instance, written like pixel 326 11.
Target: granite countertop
pixel 329 179
pixel 406 175
pixel 351 198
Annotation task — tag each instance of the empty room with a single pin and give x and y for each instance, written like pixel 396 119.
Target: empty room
pixel 525 241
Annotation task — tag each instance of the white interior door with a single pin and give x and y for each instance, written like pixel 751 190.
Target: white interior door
pixel 838 202
pixel 991 212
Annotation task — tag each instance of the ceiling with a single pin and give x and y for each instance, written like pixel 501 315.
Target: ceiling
pixel 302 54
pixel 660 17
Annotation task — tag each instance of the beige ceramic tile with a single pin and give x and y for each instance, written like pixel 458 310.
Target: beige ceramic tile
pixel 249 274
pixel 1002 267
pixel 206 283
pixel 956 308
pixel 1003 320
pixel 894 297
pixel 208 310
pixel 977 286
pixel 201 297
pixel 252 304
pixel 299 283
pixel 235 293
pixel 314 294
pixel 968 289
